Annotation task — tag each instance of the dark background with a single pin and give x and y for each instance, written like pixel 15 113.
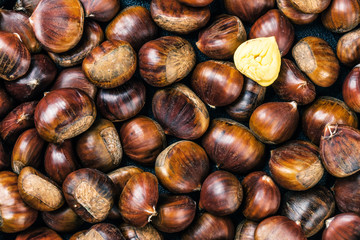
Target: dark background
pixel 217 7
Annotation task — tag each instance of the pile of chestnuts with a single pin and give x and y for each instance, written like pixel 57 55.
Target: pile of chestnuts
pixel 179 119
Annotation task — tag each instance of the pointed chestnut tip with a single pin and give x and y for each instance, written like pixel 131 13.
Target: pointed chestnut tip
pixel 298 223
pixel 328 221
pixel 153 213
pixel 18 36
pixel 330 130
pixel 293 104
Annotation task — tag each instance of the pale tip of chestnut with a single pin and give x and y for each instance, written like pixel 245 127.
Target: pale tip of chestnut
pixel 330 130
pixel 18 36
pixel 328 221
pixel 152 213
pixel 294 105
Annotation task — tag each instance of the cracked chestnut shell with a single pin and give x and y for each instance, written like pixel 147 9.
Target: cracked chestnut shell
pixel 347 49
pixel 62 220
pixel 102 11
pixel 246 230
pixel 347 193
pixel 43 233
pixel 294 15
pixel 248 11
pixel 147 233
pixel 344 226
pixel 351 89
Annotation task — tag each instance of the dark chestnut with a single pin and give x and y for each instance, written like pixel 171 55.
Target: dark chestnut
pixel 347 193
pixel 294 15
pixel 62 220
pixel 246 230
pixel 122 175
pixel 147 233
pixel 351 89
pixel 42 233
pixel 347 49
pixel 4 157
pixel 310 6
pixel 196 3
pixel 99 10
pixel 6 102
pixel 248 11
pixel 102 231
pixel 344 226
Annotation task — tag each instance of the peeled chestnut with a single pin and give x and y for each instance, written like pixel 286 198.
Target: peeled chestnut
pixel 101 231
pixel 180 112
pixel 309 209
pixel 246 230
pixel 351 88
pixel 99 10
pixel 347 49
pixel 6 102
pixel 196 3
pixel 99 147
pixel 58 24
pixel 248 11
pixel 344 226
pixel 175 213
pixel 178 162
pixel 173 16
pixel 63 114
pixel 62 220
pixel 347 193
pixel 142 139
pixel 134 25
pixel 323 111
pixel 42 233
pixel 295 15
pixel 122 175
pixel 147 233
pixel 138 199
pixel 166 60
pixel 315 57
pixel 123 102
pixel 217 83
pixel 4 158
pixel 209 226
pixel 221 39
pixel 296 165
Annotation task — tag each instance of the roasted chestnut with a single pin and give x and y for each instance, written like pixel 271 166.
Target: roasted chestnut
pixel 347 49
pixel 42 233
pixel 347 193
pixel 310 6
pixel 62 220
pixel 99 10
pixel 196 3
pixel 122 175
pixel 103 231
pixel 246 230
pixel 295 15
pixel 248 11
pixel 344 226
pixel 6 102
pixel 351 88
pixel 147 233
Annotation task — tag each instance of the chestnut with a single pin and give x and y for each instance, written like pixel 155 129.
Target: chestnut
pixel 274 122
pixel 148 232
pixel 63 114
pixel 6 102
pixel 89 193
pixel 27 151
pixel 217 83
pixel 293 85
pixel 209 226
pixel 28 6
pixel 347 193
pixel 180 112
pixel 99 10
pixel 166 60
pixel 142 139
pixel 58 24
pixel 16 215
pixel 347 49
pixel 177 162
pixel 252 95
pixel 339 150
pixel 78 235
pixel 351 88
pixel 221 193
pixel 42 233
pixel 326 110
pixel 294 15
pixel 221 39
pixel 296 165
pixel 103 231
pixel 62 220
pixel 246 230
pixel 100 147
pixel 175 213
pixel 173 16
pixel 315 57
pixel 4 158
pixel 344 226
pixel 134 25
pixel 274 23
pixel 232 146
pixel 309 209
pixel 196 3
pixel 123 102
pixel 310 6
pixel 122 175
pixel 248 11
pixel 110 72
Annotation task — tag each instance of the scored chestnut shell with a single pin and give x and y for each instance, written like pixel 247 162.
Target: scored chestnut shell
pixel 310 6
pixel 246 230
pixel 347 193
pixel 62 220
pixel 148 232
pixel 39 233
pixel 351 89
pixel 99 10
pixel 248 11
pixel 344 226
pixel 347 49
pixel 294 15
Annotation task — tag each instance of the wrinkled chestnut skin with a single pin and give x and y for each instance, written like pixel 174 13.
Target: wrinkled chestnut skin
pixel 42 233
pixel 274 23
pixel 208 226
pixel 40 75
pixel 104 231
pixel 6 102
pixel 62 220
pixel 293 85
pixel 177 162
pixel 232 146
pixel 180 112
pixel 176 17
pixel 251 96
pixel 196 3
pixel 310 6
pixel 135 233
pixel 347 193
pixel 122 175
pixel 16 216
pixel 221 193
pixel 246 230
pixel 134 25
pixel 248 11
pixel 344 226
pixel 351 89
pixel 122 103
pixel 323 111
pixel 221 39
pixel 309 209
pixel 294 15
pixel 4 158
pixel 347 49
pixel 102 11
pixel 175 213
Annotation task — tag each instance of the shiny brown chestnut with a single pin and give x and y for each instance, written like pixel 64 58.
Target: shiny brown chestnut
pixel 138 199
pixel 221 193
pixel 310 6
pixel 28 6
pixel 78 235
pixel 309 209
pixel 221 39
pixel 196 3
pixel 42 233
pixel 166 60
pixel 294 15
pixel 274 23
pixel 177 162
pixel 4 158
pixel 175 213
pixel 173 16
pixel 347 49
pixel 248 11
pixel 99 147
pixel 315 57
pixel 41 74
pixel 142 139
pixel 49 15
pixel 62 220
pixel 296 165
pixel 293 85
pixel 102 231
pixel 54 115
pixel 217 83
pixel 16 215
pixel 134 25
pixel 339 150
pixel 122 175
pixel 6 102
pixel 99 10
pixel 246 230
pixel 27 151
pixel 351 89
pixel 344 226
pixel 347 193
pixel 323 111
pixel 123 102
pixel 209 226
pixel 89 193
pixel 341 16
pixel 147 233
pixel 110 72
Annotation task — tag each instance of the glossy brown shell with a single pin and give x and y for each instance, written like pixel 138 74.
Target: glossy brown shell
pixel 99 10
pixel 294 15
pixel 39 233
pixel 347 193
pixel 62 220
pixel 248 11
pixel 347 49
